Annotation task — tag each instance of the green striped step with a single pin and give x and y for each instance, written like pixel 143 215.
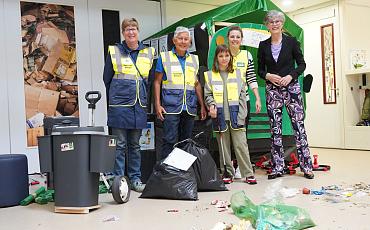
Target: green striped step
pixel 258 135
pixel 254 127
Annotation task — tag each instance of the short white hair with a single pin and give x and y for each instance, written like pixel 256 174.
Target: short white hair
pixel 181 29
pixel 274 14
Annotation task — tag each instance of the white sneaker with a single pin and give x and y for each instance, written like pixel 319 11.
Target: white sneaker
pixel 138 186
pixel 237 173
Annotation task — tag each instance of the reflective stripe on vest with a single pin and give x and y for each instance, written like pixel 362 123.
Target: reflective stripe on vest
pixel 233 84
pixel 175 74
pixel 124 69
pixel 123 63
pixel 176 80
pixel 240 61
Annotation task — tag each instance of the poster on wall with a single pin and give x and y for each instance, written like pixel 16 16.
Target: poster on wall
pixel 163 44
pixel 147 137
pixel 252 37
pixel 328 64
pixel 154 44
pixel 358 59
pixel 192 47
pixel 49 64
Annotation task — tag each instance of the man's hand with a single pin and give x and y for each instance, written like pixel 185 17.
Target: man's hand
pixel 286 80
pixel 213 111
pixel 273 78
pixel 160 111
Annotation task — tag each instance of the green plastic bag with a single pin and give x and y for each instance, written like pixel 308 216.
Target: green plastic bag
pixel 272 215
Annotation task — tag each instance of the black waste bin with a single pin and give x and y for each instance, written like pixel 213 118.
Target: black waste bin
pixel 53 122
pixel 76 156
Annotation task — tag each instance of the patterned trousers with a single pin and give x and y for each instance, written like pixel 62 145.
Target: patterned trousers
pixel 291 97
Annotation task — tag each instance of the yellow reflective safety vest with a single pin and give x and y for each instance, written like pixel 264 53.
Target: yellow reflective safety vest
pixel 127 87
pixel 178 90
pixel 234 88
pixel 240 61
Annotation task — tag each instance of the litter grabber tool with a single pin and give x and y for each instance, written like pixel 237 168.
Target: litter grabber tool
pixel 119 187
pixel 317 167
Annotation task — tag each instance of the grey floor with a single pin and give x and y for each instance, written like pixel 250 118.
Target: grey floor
pixel 348 168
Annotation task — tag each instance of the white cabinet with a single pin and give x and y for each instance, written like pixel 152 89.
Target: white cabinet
pixel 356 137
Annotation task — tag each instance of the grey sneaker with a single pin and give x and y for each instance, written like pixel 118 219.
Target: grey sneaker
pixel 137 186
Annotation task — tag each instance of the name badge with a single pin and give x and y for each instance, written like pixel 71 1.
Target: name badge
pixel 176 69
pixel 218 88
pixel 126 61
pixel 240 64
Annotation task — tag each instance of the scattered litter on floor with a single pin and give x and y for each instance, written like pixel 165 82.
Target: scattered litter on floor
pixel 221 205
pixel 289 192
pixel 356 194
pixel 306 191
pixel 40 196
pixel 34 182
pixel 220 226
pixel 111 218
pixel 276 190
pixel 272 214
pixel 242 225
pixel 318 192
pixel 200 208
pixel 272 192
pixel 172 210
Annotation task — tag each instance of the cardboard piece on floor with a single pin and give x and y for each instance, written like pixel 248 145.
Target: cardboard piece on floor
pixel 32 134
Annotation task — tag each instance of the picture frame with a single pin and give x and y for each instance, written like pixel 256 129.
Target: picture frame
pixel 328 64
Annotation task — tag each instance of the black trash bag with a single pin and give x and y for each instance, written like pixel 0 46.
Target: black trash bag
pixel 171 183
pixel 207 175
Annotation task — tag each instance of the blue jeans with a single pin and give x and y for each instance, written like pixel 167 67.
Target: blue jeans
pixel 128 142
pixel 176 127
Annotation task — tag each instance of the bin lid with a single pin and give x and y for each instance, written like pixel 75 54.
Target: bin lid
pixel 67 130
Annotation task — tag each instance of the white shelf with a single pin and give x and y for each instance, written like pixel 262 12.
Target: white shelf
pixel 357 71
pixel 355 137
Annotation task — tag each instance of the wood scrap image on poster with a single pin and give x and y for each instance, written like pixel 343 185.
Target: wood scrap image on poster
pixel 49 63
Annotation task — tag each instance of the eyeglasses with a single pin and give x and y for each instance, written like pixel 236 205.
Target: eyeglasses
pixel 276 22
pixel 128 30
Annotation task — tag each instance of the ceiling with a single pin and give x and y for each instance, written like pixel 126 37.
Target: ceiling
pixel 295 5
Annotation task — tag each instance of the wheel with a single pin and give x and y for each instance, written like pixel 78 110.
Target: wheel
pixel 121 189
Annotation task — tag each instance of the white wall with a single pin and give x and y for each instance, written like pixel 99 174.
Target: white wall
pixel 356 35
pixel 177 10
pixel 14 63
pixel 4 114
pixel 148 15
pixel 90 60
pixel 325 122
pixel 320 116
pixel 355 15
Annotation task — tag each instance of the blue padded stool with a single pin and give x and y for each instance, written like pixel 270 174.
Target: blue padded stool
pixel 13 179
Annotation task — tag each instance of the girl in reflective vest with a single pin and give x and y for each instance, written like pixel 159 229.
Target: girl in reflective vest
pixel 224 93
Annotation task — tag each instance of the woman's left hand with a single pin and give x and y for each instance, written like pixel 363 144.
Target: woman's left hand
pixel 258 105
pixel 286 80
